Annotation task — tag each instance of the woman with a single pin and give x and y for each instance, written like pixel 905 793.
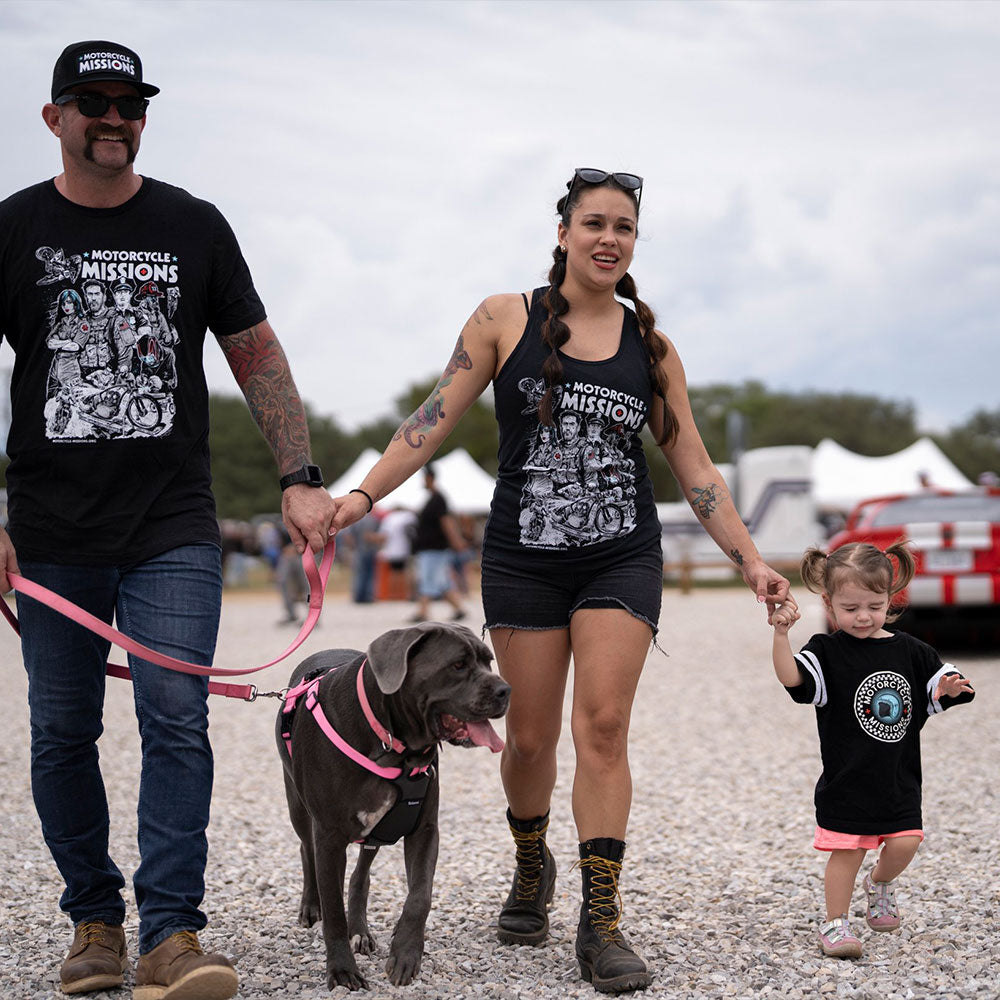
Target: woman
pixel 67 336
pixel 571 560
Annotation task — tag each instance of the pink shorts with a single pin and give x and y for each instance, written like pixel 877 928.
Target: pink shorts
pixel 829 840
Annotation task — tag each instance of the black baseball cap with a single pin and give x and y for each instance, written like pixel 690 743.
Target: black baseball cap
pixel 83 62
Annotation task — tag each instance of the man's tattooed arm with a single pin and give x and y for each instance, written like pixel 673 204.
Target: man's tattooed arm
pixel 427 416
pixel 261 370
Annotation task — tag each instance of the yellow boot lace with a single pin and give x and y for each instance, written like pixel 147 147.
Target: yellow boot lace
pixel 530 858
pixel 604 904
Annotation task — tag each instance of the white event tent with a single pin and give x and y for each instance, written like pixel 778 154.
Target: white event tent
pixel 467 487
pixel 355 472
pixel 840 478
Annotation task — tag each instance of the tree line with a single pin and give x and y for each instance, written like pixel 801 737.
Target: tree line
pixel 245 480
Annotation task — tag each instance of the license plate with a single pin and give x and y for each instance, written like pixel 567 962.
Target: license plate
pixel 948 560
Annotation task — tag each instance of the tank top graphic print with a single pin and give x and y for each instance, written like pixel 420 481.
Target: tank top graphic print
pixel 582 481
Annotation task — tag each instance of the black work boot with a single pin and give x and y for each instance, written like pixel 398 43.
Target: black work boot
pixel 605 958
pixel 524 918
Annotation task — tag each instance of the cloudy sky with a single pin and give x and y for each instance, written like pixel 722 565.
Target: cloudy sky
pixel 822 199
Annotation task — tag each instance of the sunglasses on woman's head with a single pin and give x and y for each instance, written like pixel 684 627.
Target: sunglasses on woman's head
pixel 130 107
pixel 591 175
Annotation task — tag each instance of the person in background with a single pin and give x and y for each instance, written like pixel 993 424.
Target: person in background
pixel 435 540
pixel 363 539
pixel 118 516
pixel 290 577
pixel 397 529
pixel 460 558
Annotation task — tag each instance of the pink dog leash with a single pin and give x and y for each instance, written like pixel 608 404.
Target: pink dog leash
pixel 317 578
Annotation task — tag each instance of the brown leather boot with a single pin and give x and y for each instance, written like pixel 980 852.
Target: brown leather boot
pixel 177 969
pixel 97 958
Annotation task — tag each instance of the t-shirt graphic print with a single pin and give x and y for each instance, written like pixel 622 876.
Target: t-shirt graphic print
pixel 112 373
pixel 580 486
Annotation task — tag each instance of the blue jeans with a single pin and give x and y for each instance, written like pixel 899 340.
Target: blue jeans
pixel 171 603
pixel 363 576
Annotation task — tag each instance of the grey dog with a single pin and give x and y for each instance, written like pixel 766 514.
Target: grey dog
pixel 425 684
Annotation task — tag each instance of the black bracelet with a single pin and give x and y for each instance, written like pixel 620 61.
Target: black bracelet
pixel 371 503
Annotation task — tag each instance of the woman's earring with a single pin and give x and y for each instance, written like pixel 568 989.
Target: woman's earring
pixel 562 249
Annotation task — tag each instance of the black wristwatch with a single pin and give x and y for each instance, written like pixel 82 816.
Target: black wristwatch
pixel 311 475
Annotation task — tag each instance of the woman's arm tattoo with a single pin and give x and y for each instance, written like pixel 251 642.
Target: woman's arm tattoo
pixel 737 556
pixel 432 410
pixel 481 308
pixel 261 370
pixel 706 501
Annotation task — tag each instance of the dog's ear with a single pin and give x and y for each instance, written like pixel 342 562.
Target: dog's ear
pixel 389 656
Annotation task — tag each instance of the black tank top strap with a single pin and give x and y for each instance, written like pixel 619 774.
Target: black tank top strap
pixel 527 308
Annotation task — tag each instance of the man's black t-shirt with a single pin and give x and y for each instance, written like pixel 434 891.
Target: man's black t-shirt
pixel 106 310
pixel 430 534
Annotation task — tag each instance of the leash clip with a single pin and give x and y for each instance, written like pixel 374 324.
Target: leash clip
pixel 255 694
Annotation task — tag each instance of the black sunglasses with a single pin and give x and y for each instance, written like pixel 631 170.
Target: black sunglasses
pixel 130 107
pixel 590 175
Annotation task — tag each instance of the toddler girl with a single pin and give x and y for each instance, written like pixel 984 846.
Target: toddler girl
pixel 873 691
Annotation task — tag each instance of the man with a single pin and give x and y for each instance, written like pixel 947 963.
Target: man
pixel 566 457
pixel 123 327
pixel 436 536
pixel 397 530
pixel 124 523
pixel 97 349
pixel 150 313
pixel 363 539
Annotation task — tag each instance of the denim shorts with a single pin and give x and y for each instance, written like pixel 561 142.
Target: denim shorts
pixel 433 572
pixel 545 595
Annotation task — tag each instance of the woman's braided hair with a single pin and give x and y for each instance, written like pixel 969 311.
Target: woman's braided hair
pixel 555 332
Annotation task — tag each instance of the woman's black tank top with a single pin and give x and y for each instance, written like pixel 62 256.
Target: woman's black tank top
pixel 579 488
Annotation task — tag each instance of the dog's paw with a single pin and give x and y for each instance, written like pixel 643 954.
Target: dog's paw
pixel 350 978
pixel 309 915
pixel 403 968
pixel 363 944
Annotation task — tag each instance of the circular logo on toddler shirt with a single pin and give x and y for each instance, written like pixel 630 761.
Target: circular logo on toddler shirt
pixel 883 706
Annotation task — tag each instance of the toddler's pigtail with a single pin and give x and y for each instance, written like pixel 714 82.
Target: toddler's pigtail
pixel 813 570
pixel 904 567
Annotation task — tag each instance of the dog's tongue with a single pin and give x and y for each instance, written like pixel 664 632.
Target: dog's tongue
pixel 484 735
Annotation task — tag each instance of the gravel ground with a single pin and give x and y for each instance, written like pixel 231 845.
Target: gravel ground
pixel 722 888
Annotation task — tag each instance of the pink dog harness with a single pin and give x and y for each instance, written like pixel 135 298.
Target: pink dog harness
pixel 411 784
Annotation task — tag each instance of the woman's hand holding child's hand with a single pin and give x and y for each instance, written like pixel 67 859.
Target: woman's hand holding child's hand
pixel 785 616
pixel 952 685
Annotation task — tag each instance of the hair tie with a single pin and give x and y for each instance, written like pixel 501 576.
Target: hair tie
pixel 371 503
